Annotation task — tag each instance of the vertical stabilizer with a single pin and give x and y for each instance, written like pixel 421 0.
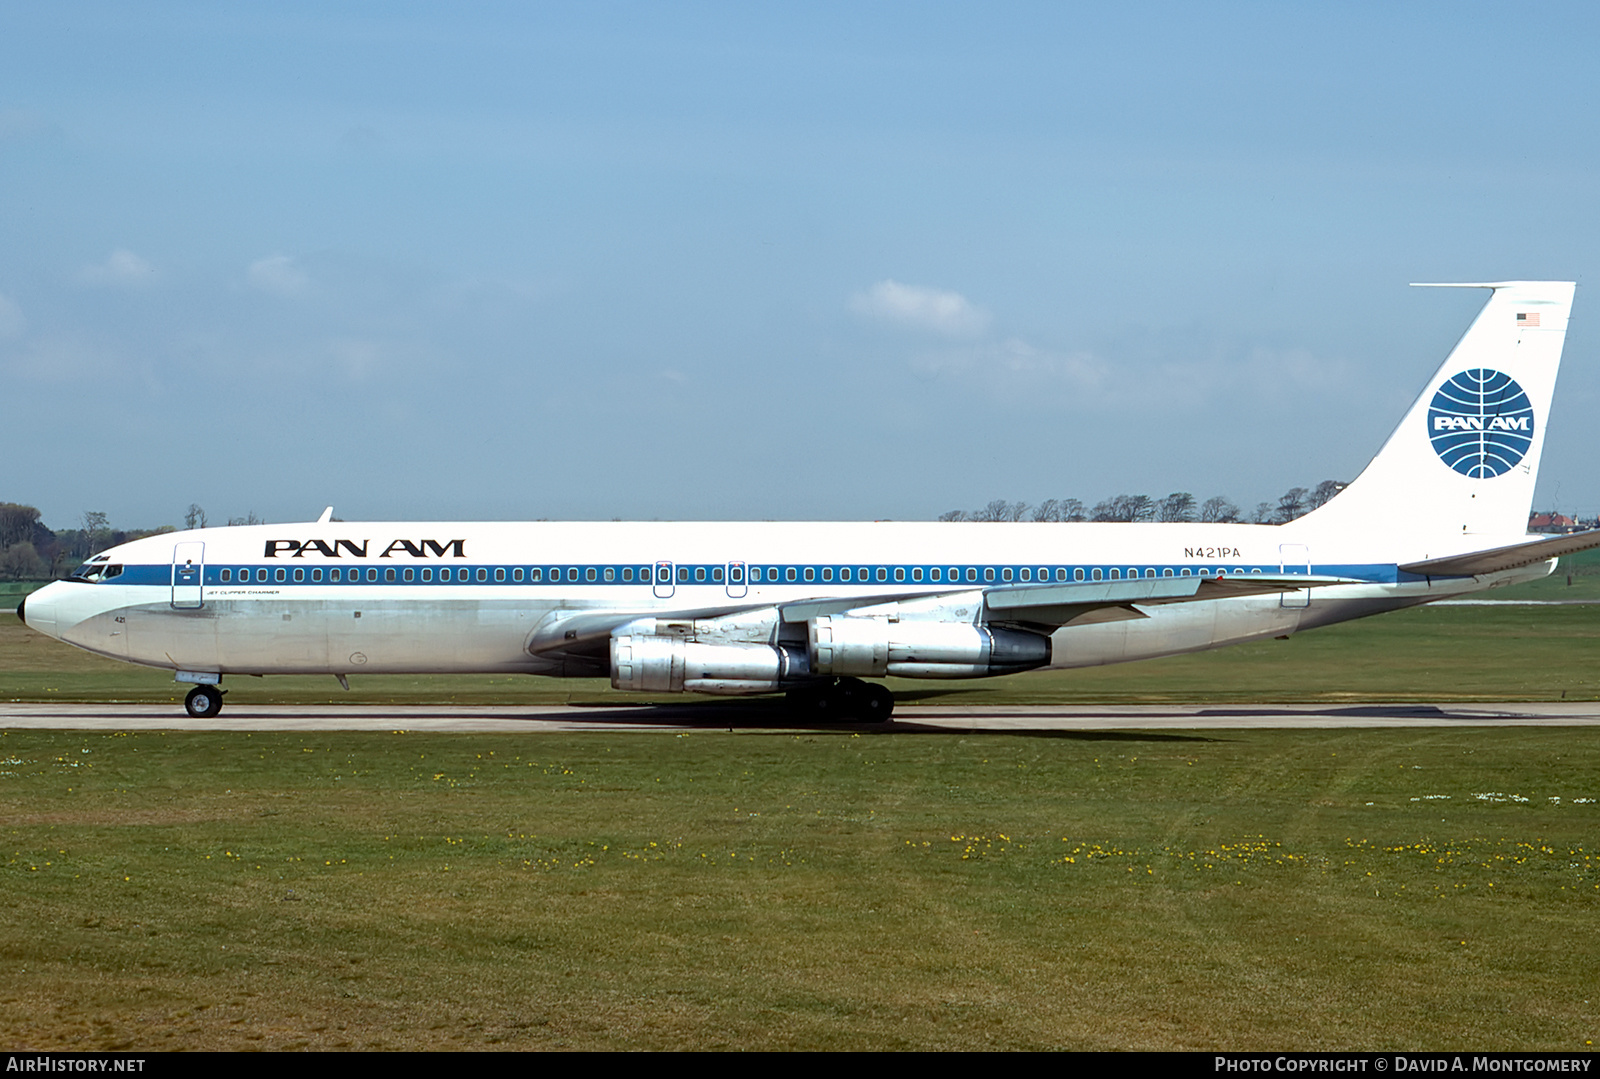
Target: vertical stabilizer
pixel 1464 460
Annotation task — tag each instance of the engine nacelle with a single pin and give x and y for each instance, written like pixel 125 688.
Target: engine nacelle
pixel 873 647
pixel 661 664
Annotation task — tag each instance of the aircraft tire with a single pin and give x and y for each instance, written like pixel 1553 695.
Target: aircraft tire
pixel 203 702
pixel 824 703
pixel 875 704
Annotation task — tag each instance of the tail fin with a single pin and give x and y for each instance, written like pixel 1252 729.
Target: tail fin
pixel 1465 458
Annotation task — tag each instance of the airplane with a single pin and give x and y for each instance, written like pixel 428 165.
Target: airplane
pixel 815 609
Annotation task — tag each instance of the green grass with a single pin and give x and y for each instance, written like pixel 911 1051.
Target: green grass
pixel 1372 889
pixel 1309 889
pixel 1430 654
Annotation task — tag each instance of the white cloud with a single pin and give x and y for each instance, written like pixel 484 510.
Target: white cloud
pixel 11 321
pixel 917 306
pixel 278 275
pixel 358 358
pixel 63 359
pixel 20 123
pixel 122 268
pixel 1016 370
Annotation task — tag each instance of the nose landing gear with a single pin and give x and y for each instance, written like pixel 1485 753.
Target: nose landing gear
pixel 203 702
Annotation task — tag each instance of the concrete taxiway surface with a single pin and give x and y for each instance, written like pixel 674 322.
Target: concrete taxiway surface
pixel 740 715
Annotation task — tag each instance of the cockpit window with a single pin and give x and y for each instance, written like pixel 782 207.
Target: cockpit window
pixel 96 571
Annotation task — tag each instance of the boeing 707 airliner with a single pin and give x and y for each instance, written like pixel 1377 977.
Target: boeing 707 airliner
pixel 815 609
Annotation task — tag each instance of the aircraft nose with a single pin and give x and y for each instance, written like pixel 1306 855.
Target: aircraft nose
pixel 41 609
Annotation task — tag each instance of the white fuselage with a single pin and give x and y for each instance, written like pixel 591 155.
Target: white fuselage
pixel 343 598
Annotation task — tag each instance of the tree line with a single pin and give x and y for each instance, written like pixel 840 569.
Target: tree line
pixel 30 550
pixel 1178 507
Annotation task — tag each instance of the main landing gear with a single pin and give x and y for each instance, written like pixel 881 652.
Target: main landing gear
pixel 844 700
pixel 203 702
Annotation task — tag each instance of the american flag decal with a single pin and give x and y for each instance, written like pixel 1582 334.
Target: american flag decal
pixel 1527 319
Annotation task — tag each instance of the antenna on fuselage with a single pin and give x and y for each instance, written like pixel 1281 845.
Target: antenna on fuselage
pixel 327 515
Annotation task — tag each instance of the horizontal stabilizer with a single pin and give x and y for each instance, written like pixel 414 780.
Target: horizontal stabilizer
pixel 1515 556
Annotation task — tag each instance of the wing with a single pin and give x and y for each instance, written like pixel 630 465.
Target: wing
pixel 586 631
pixel 1513 556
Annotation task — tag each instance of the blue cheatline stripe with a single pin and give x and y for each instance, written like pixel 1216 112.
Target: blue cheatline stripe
pixel 639 574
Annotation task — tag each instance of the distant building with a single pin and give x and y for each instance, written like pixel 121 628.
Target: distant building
pixel 1552 522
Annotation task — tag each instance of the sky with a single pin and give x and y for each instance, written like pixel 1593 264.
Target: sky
pixel 764 261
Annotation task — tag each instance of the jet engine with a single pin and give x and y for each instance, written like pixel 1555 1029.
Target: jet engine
pixel 873 647
pixel 662 664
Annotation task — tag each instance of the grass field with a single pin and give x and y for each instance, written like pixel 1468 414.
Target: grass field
pixel 1292 889
pixel 1373 889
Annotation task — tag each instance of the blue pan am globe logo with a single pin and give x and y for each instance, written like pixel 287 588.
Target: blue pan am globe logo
pixel 1481 423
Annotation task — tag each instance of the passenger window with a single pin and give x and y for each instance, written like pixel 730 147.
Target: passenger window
pixel 1167 572
pixel 610 574
pixel 736 574
pixel 683 574
pixel 1061 573
pixel 1026 574
pixel 899 573
pixel 427 574
pixel 334 574
pixel 516 574
pixel 227 575
pixel 1186 572
pixel 572 573
pixel 1005 574
pixel 788 574
pixel 811 574
pixel 844 574
pixel 1077 574
pixel 827 573
pixel 408 574
pixel 972 573
pixel 1148 572
pixel 278 575
pixel 916 574
pixel 388 573
pixel 1096 573
pixel 299 575
pixel 627 573
pixel 316 574
pixel 716 574
pixel 483 574
pixel 372 574
pixel 883 575
pixel 935 574
pixel 1116 574
pixel 699 573
pixel 988 573
pixel 261 576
